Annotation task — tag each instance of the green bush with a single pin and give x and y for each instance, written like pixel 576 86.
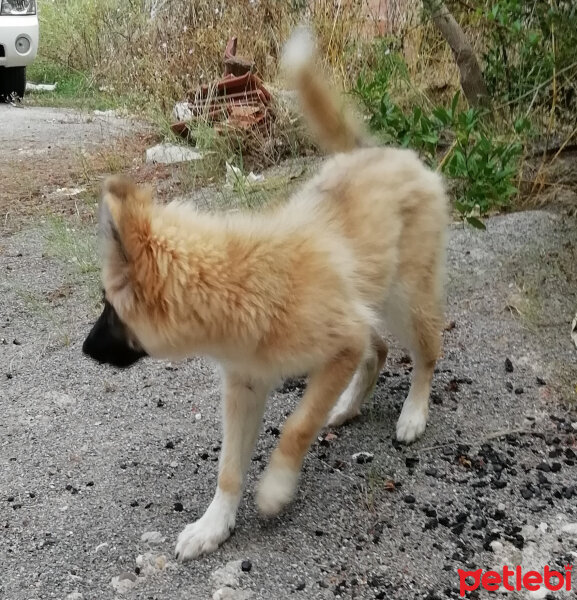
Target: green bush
pixel 530 53
pixel 482 168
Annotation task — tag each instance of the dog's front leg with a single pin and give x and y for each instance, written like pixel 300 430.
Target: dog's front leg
pixel 278 483
pixel 243 403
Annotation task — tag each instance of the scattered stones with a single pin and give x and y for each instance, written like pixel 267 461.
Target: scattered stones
pixel 363 457
pixel 152 537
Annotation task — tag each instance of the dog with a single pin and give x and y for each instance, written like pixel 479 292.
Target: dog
pixel 304 288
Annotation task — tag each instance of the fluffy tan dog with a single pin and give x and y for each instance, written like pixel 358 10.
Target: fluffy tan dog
pixel 306 288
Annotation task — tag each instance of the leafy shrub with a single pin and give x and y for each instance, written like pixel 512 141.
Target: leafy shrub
pixel 482 169
pixel 531 48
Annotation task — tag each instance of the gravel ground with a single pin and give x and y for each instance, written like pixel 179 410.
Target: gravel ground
pixel 100 469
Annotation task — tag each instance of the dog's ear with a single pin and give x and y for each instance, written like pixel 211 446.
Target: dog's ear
pixel 109 220
pixel 123 205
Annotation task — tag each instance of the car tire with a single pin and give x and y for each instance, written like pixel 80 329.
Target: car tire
pixel 12 82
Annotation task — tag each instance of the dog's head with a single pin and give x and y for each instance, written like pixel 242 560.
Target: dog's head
pixel 125 217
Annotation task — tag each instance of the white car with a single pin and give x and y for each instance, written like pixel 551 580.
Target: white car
pixel 18 44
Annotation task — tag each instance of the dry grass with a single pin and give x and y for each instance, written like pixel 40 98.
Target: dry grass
pixel 66 182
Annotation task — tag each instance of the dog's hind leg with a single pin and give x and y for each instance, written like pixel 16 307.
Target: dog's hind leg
pixel 244 401
pixel 278 483
pixel 362 384
pixel 424 342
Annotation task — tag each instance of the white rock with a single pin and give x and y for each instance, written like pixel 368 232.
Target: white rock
pixel 227 576
pixel 168 154
pixel 501 506
pixel 538 594
pixel 182 112
pixel 363 457
pixel 570 528
pixel 496 546
pixel 101 546
pixel 150 563
pixel 152 537
pixel 227 593
pixel 75 596
pixel 40 87
pixel 198 416
pixel 124 582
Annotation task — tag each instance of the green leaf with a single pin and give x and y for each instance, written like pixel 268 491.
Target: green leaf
pixel 476 223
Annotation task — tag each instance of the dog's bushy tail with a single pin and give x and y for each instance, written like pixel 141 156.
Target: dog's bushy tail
pixel 336 128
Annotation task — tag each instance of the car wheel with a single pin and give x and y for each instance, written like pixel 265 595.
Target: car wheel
pixel 12 82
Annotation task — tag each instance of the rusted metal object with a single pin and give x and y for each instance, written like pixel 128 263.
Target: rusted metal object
pixel 238 100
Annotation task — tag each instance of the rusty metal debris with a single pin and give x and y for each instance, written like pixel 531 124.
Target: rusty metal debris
pixel 238 100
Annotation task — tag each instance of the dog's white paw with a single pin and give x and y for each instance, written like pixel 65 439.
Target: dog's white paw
pixel 411 423
pixel 208 533
pixel 203 537
pixel 276 489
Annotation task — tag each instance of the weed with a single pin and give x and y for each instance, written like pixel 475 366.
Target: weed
pixel 71 243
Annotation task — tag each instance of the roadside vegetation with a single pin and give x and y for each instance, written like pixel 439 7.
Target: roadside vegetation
pixel 499 152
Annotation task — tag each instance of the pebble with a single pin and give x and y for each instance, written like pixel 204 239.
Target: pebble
pixel 228 576
pixel 124 582
pixel 570 528
pixel 198 416
pixel 150 563
pixel 508 365
pixel 75 596
pixel 152 537
pixel 496 546
pixel 228 593
pixel 363 457
pixel 246 566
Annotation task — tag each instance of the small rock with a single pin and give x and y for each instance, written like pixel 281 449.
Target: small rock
pixel 198 416
pixel 17 342
pixel 541 381
pixel 363 457
pixel 124 582
pixel 508 365
pixel 526 493
pixel 246 566
pixel 75 596
pixel 519 391
pixel 570 528
pixel 409 499
pixel 228 593
pixel 300 586
pixel 101 546
pixel 496 546
pixel 167 154
pixel 228 576
pixel 178 507
pixel 152 537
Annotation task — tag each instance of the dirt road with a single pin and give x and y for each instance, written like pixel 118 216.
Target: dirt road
pixel 92 458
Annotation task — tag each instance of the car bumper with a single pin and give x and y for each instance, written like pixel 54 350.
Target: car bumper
pixel 11 29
